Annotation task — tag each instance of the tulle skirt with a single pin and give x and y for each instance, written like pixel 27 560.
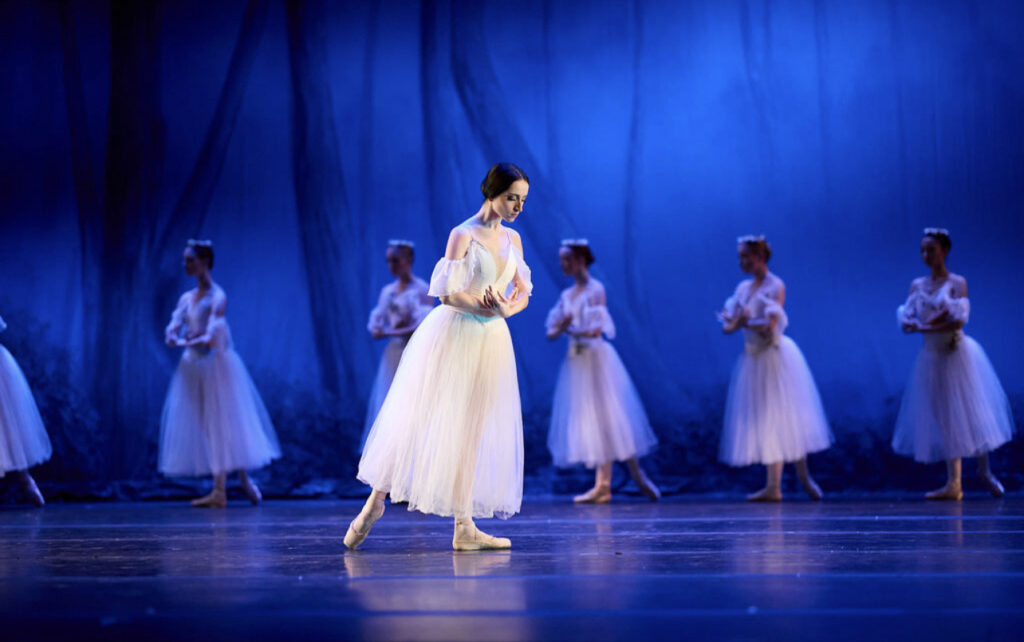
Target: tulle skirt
pixel 773 413
pixel 449 437
pixel 953 405
pixel 382 383
pixel 214 420
pixel 596 415
pixel 23 439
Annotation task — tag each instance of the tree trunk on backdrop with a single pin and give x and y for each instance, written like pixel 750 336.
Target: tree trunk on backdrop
pixel 325 223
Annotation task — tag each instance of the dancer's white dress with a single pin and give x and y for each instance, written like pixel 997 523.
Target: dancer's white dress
pixel 773 413
pixel 23 439
pixel 394 309
pixel 213 420
pixel 596 415
pixel 449 437
pixel 953 405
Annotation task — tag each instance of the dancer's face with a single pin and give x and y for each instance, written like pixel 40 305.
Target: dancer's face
pixel 750 260
pixel 571 264
pixel 509 204
pixel 193 264
pixel 931 252
pixel 398 260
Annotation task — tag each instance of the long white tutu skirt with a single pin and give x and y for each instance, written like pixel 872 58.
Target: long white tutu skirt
pixel 597 415
pixel 214 420
pixel 23 439
pixel 773 413
pixel 382 383
pixel 449 436
pixel 953 405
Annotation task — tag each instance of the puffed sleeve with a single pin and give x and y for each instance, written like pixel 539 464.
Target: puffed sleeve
pixel 420 305
pixel 173 330
pixel 556 315
pixel 959 309
pixel 378 315
pixel 732 307
pixel 523 277
pixel 773 310
pixel 907 313
pixel 3 326
pixel 452 277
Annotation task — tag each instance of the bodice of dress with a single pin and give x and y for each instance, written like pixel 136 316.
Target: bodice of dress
pixel 587 313
pixel 761 305
pixel 926 302
pixel 192 319
pixel 400 309
pixel 478 269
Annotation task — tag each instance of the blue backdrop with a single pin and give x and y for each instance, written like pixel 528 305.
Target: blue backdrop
pixel 300 136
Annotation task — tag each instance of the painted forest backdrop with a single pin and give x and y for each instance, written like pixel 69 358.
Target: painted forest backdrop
pixel 300 136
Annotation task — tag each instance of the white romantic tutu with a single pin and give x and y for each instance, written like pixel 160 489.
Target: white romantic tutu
pixel 382 382
pixel 773 413
pixel 596 415
pixel 449 437
pixel 23 439
pixel 953 405
pixel 214 420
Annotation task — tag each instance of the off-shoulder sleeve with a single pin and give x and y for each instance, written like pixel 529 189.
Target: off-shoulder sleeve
pixel 732 305
pixel 173 329
pixel 3 326
pixel 452 277
pixel 523 275
pixel 556 315
pixel 773 310
pixel 907 313
pixel 597 317
pixel 422 304
pixel 959 309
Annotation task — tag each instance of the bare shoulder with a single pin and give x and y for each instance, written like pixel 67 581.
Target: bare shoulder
pixel 516 238
pixel 596 285
pixel 917 283
pixel 219 299
pixel 959 283
pixel 458 242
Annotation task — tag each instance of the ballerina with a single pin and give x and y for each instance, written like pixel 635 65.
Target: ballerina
pixel 773 414
pixel 23 439
pixel 214 421
pixel 401 307
pixel 597 417
pixel 954 405
pixel 449 437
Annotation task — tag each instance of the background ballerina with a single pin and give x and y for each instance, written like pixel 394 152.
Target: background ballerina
pixel 597 417
pixel 23 439
pixel 449 437
pixel 401 307
pixel 773 414
pixel 213 421
pixel 953 405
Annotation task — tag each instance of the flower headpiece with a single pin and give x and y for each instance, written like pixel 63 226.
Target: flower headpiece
pixel 199 243
pixel 401 243
pixel 575 243
pixel 936 231
pixel 751 238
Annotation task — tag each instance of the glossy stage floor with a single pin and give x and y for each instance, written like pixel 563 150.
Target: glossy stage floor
pixel 684 569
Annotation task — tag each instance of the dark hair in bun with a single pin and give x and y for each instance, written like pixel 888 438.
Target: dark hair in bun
pixel 941 237
pixel 757 244
pixel 499 178
pixel 203 250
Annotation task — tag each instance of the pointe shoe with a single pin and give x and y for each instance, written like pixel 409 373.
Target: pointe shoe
pixel 596 495
pixel 470 538
pixel 646 486
pixel 33 494
pixel 811 488
pixel 251 491
pixel 950 492
pixel 360 527
pixel 992 484
pixel 766 494
pixel 216 499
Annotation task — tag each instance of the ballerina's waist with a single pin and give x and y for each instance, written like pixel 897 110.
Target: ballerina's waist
pixel 942 341
pixel 466 313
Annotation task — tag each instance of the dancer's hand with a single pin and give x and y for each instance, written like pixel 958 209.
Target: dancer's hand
pixel 377 333
pixel 910 327
pixel 497 303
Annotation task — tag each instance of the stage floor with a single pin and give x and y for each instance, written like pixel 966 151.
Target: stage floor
pixel 711 570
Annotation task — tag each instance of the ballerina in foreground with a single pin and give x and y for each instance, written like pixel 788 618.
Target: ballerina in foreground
pixel 213 421
pixel 953 405
pixel 597 417
pixel 773 414
pixel 23 439
pixel 449 437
